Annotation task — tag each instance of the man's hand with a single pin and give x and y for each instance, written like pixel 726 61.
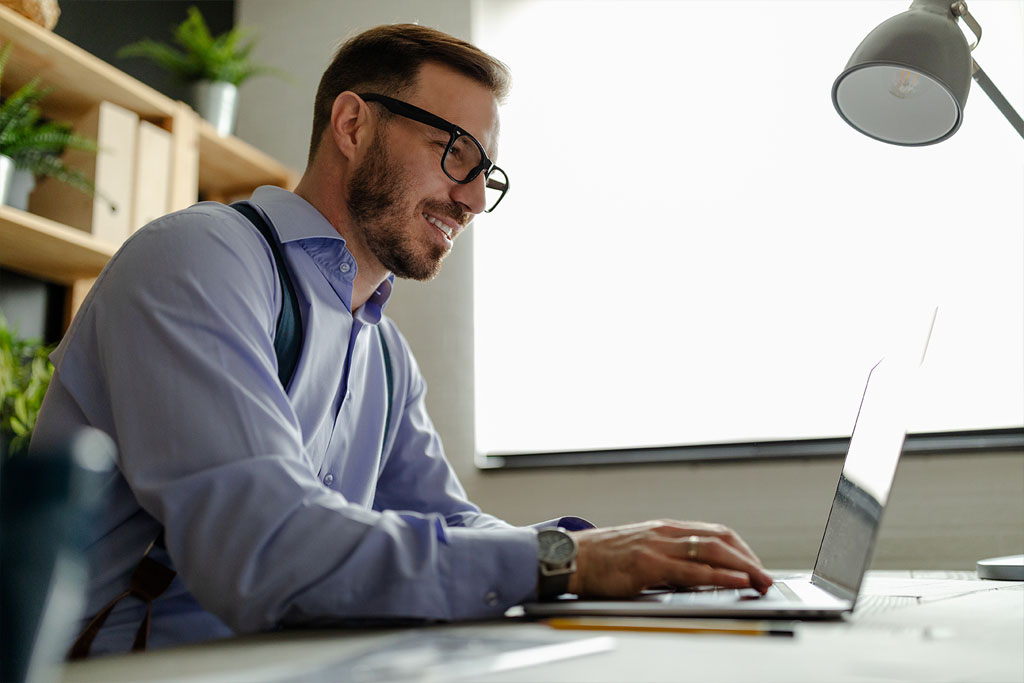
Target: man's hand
pixel 622 561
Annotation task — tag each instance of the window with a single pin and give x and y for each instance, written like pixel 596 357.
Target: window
pixel 697 249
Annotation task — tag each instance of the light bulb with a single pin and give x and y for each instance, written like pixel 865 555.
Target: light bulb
pixel 906 85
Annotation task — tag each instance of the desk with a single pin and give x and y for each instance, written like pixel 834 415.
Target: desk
pixel 910 626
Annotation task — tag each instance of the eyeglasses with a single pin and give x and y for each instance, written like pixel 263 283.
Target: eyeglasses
pixel 463 159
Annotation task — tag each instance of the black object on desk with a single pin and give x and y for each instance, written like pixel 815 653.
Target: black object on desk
pixel 47 497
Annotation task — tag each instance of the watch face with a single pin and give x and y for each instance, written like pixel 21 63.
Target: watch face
pixel 556 547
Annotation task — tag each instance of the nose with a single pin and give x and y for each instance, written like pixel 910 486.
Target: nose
pixel 470 195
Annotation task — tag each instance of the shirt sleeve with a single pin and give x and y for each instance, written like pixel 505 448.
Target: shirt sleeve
pixel 416 475
pixel 173 354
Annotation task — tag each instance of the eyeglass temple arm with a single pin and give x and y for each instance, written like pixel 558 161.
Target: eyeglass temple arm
pixel 495 184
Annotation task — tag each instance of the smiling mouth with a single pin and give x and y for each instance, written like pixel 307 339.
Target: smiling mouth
pixel 448 230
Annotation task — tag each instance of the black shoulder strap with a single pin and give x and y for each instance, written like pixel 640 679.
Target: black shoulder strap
pixel 390 382
pixel 288 336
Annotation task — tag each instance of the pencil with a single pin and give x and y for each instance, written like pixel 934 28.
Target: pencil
pixel 671 625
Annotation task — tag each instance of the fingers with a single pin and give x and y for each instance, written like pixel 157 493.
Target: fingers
pixel 695 574
pixel 624 560
pixel 715 553
pixel 724 533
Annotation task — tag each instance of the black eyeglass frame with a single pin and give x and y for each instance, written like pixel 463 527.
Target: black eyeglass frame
pixel 486 166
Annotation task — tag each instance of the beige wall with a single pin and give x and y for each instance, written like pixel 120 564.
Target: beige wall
pixel 947 511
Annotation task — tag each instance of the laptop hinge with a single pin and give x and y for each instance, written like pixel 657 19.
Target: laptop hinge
pixel 832 588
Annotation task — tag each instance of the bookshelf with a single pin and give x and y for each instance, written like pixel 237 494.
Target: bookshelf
pixel 203 163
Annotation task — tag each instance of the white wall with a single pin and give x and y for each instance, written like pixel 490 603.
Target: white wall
pixel 947 511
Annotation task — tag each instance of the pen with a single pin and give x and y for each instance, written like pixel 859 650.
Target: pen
pixel 668 625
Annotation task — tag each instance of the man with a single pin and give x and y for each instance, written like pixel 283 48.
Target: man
pixel 329 499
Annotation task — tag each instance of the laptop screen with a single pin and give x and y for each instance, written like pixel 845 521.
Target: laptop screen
pixel 852 529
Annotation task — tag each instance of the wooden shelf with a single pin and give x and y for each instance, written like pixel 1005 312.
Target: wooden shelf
pixel 79 79
pixel 229 166
pixel 202 162
pixel 49 250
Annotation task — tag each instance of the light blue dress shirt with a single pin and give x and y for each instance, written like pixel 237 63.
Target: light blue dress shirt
pixel 278 508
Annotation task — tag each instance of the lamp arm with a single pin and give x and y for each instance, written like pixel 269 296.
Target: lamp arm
pixel 997 97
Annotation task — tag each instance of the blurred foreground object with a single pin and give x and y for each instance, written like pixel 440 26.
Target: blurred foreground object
pixel 47 500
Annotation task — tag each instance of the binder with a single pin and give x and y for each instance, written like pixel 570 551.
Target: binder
pixel 107 216
pixel 152 174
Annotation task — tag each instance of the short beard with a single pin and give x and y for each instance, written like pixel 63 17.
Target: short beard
pixel 375 203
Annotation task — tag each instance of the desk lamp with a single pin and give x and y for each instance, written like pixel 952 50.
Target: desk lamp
pixel 907 82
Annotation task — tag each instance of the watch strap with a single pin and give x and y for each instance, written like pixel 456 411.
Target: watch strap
pixel 550 586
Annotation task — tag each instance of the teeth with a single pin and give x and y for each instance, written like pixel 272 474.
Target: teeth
pixel 444 228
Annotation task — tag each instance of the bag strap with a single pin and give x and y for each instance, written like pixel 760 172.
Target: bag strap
pixel 288 335
pixel 390 383
pixel 150 578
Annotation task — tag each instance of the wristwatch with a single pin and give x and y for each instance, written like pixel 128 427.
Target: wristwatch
pixel 557 562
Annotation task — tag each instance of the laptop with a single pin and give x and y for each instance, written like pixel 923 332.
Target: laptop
pixel 851 531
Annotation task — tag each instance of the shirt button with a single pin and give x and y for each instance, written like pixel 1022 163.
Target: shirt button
pixel 491 598
pixel 345 267
pixel 328 480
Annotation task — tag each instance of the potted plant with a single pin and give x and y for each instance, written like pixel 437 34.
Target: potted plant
pixel 215 66
pixel 25 372
pixel 31 146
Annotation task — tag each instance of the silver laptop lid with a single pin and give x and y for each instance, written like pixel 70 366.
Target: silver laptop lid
pixel 848 544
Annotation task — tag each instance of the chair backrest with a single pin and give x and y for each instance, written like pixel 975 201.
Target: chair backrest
pixel 46 502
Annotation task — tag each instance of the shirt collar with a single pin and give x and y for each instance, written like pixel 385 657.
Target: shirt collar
pixel 296 219
pixel 293 217
pixel 372 311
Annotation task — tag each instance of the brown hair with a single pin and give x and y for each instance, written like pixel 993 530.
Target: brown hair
pixel 387 59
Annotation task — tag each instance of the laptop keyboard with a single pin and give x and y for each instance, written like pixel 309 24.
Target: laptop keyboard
pixel 717 595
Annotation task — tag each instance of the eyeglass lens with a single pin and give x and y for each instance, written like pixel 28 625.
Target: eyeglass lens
pixel 495 187
pixel 464 157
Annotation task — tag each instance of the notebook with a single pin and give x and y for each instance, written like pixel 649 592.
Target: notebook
pixel 851 531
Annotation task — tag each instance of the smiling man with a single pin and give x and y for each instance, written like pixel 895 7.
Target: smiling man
pixel 247 496
pixel 401 215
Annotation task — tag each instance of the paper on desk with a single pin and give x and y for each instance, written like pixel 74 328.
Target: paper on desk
pixel 884 592
pixel 433 655
pixel 924 588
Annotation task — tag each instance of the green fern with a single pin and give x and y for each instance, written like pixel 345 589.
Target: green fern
pixel 203 57
pixel 46 138
pixel 16 110
pixel 37 145
pixel 25 373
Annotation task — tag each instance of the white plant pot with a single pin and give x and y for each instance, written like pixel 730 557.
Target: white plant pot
pixel 22 184
pixel 6 177
pixel 217 102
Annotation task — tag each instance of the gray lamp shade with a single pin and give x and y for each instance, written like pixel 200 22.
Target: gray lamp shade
pixel 908 80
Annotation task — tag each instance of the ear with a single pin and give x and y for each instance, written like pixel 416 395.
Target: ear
pixel 352 124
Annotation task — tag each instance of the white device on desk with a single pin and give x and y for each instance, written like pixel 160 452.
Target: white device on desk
pixel 1008 568
pixel 851 531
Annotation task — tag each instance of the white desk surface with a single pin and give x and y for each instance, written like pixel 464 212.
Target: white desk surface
pixel 909 626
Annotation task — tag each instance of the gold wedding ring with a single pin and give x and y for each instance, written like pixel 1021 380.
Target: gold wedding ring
pixel 691 550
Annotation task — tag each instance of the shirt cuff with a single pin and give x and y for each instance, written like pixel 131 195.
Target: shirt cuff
pixel 486 571
pixel 568 523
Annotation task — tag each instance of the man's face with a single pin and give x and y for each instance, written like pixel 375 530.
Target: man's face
pixel 399 193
